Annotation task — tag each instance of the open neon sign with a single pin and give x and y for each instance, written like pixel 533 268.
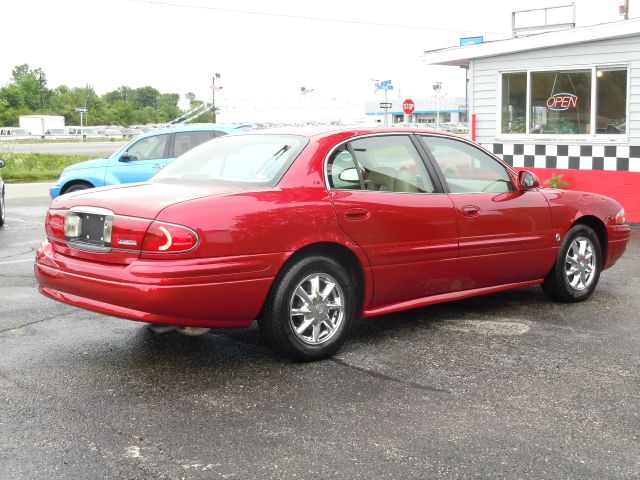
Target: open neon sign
pixel 560 102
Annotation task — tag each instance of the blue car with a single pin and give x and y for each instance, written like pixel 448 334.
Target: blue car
pixel 139 159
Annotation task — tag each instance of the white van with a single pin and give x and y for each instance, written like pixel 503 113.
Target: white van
pixel 14 133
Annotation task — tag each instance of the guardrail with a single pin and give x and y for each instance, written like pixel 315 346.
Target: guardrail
pixel 78 137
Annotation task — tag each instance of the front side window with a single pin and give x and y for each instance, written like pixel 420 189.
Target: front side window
pixel 149 148
pixel 466 168
pixel 391 164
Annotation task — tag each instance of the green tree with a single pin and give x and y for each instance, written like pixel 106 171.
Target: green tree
pixel 65 100
pixel 205 116
pixel 145 97
pixel 168 107
pixel 32 85
pixel 27 93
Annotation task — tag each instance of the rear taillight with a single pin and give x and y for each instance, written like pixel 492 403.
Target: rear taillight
pixel 169 238
pixel 620 217
pixel 54 226
pixel 127 233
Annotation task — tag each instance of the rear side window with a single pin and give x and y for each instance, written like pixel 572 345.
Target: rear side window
pixel 383 163
pixel 340 164
pixel 185 141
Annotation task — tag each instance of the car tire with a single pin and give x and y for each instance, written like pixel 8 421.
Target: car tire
pixel 77 187
pixel 576 271
pixel 309 310
pixel 2 208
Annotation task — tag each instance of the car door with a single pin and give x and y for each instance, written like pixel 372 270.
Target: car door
pixel 388 203
pixel 505 233
pixel 140 161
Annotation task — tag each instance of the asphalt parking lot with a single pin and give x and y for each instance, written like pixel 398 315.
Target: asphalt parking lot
pixel 508 385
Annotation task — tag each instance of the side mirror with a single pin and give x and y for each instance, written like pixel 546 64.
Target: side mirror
pixel 126 157
pixel 1 164
pixel 528 180
pixel 349 175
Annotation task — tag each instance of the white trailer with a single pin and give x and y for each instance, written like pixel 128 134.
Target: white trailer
pixel 39 124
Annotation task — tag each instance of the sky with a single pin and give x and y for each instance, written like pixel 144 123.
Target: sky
pixel 264 50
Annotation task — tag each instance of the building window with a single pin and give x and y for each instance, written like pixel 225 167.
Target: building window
pixel 561 102
pixel 514 102
pixel 611 106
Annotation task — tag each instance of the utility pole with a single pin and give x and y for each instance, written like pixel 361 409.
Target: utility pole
pixel 41 95
pixel 213 97
pixel 437 88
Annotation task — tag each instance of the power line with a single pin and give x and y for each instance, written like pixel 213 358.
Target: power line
pixel 305 17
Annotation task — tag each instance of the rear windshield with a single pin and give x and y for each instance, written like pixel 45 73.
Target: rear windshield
pixel 257 159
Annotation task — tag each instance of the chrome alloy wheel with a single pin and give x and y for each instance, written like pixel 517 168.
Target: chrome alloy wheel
pixel 316 309
pixel 580 264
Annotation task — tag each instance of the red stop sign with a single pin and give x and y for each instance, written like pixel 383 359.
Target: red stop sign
pixel 408 106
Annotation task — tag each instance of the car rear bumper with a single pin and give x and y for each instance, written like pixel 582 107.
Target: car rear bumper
pixel 219 292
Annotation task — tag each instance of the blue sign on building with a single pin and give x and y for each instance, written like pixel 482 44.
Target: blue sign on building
pixel 471 40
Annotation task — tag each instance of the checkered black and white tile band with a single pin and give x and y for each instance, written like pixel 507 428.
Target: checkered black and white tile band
pixel 621 158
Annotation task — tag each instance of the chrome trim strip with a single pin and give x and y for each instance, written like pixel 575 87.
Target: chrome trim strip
pixel 91 210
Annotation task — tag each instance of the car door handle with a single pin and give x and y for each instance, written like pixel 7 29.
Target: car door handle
pixel 470 210
pixel 157 166
pixel 356 214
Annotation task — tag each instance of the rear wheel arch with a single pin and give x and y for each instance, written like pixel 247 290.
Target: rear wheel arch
pixel 343 255
pixel 312 302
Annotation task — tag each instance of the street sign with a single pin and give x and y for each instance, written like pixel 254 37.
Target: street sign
pixel 385 104
pixel 81 109
pixel 408 106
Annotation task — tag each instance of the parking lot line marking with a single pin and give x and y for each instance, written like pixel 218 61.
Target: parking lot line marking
pixel 17 261
pixel 17 219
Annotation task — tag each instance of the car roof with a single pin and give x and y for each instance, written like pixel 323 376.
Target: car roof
pixel 197 127
pixel 328 130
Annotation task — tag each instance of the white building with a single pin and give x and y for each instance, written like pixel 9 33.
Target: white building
pixel 565 102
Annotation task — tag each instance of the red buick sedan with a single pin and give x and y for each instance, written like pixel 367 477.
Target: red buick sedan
pixel 304 230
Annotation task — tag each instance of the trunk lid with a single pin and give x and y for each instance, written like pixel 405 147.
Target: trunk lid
pixel 109 224
pixel 144 200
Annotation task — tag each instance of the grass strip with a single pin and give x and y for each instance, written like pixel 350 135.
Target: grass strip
pixel 28 167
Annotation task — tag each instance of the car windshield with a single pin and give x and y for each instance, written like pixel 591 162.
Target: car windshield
pixel 252 159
